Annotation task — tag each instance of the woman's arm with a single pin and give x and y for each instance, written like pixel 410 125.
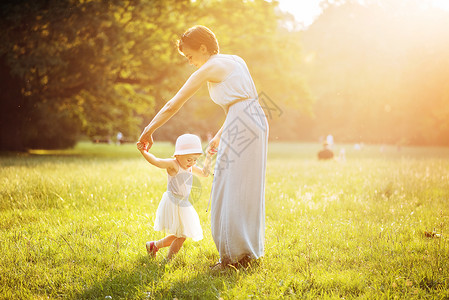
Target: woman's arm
pixel 205 73
pixel 213 144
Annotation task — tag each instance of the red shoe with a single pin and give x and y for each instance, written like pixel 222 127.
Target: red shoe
pixel 151 248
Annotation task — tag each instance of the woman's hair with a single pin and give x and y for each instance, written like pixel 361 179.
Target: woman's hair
pixel 199 35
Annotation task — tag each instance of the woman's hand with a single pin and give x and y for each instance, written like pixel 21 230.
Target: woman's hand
pixel 141 146
pixel 147 141
pixel 213 144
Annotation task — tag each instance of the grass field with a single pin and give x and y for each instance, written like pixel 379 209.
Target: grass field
pixel 74 224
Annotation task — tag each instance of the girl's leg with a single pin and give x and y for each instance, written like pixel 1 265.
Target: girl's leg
pixel 175 246
pixel 165 242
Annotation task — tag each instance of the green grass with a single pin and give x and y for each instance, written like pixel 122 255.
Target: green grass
pixel 74 223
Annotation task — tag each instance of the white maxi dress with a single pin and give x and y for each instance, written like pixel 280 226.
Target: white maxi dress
pixel 238 189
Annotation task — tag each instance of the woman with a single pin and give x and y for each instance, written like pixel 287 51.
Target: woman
pixel 238 189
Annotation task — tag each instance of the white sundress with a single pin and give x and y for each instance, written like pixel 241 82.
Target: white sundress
pixel 238 189
pixel 175 214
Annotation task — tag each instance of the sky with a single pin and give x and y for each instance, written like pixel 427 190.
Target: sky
pixel 306 11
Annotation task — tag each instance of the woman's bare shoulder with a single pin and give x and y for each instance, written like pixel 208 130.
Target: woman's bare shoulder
pixel 218 69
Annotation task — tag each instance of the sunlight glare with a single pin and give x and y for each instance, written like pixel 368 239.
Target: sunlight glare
pixel 305 12
pixel 443 4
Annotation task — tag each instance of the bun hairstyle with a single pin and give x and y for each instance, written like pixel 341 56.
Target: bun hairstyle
pixel 199 35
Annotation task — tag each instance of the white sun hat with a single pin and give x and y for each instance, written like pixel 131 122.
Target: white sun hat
pixel 188 144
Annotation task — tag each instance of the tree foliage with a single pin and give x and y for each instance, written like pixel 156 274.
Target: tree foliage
pixel 96 67
pixel 68 68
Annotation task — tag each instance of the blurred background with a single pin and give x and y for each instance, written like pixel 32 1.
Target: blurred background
pixel 373 71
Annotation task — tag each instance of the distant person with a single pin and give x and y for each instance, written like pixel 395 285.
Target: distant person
pixel 238 189
pixel 330 141
pixel 119 138
pixel 175 214
pixel 325 153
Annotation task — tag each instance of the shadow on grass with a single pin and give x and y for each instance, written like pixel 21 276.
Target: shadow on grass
pixel 148 280
pixel 124 283
pixel 206 284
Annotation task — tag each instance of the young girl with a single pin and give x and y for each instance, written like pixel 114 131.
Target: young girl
pixel 175 214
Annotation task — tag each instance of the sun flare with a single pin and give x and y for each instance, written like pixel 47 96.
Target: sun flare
pixel 306 12
pixel 443 4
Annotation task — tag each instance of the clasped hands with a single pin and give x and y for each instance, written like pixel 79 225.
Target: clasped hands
pixel 142 146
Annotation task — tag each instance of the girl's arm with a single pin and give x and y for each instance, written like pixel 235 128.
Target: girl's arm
pixel 208 72
pixel 168 164
pixel 205 171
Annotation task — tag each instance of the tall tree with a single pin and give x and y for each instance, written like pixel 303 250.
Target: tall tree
pixel 84 66
pixel 96 67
